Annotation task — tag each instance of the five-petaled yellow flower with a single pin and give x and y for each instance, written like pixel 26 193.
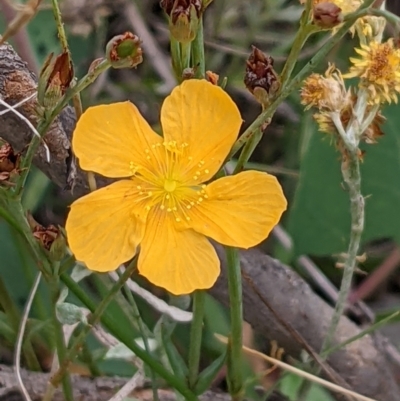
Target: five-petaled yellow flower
pixel 165 202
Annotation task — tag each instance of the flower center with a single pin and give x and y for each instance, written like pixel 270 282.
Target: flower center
pixel 170 185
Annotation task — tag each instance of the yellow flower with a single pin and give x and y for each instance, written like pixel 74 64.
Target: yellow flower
pixel 325 92
pixel 165 202
pixel 379 68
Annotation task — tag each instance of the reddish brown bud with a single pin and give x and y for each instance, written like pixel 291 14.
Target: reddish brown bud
pixel 54 79
pixel 124 51
pixel 9 164
pixel 183 17
pixel 50 238
pixel 260 77
pixel 327 15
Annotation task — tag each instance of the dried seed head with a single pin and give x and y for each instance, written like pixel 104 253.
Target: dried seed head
pixel 325 91
pixel 124 51
pixel 54 79
pixel 9 164
pixel 260 77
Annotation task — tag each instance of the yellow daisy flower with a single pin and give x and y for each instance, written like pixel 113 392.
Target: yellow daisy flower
pixel 165 201
pixel 379 68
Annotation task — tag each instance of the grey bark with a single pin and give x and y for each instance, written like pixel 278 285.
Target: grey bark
pixel 363 364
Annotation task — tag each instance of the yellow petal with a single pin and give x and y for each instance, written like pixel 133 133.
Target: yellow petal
pixel 240 210
pixel 105 227
pixel 179 261
pixel 112 139
pixel 205 117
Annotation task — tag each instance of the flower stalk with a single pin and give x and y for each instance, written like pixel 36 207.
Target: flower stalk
pixel 352 178
pixel 198 52
pixel 235 360
pixel 196 334
pixel 125 337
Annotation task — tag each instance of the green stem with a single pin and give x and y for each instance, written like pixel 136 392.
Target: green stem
pixel 44 125
pixel 392 18
pixel 235 379
pixel 291 85
pixel 126 338
pixel 60 26
pixel 196 332
pixel 176 58
pixel 93 319
pixel 352 177
pixel 302 35
pixel 144 332
pixel 59 337
pixel 198 52
pixel 248 150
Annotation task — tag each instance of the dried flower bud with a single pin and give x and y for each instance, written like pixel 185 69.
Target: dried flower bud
pixel 260 77
pixel 9 164
pixel 124 51
pixel 212 77
pixel 183 18
pixel 54 79
pixel 327 15
pixel 50 238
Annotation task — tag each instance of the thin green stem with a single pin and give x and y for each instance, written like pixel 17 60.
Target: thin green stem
pixel 235 379
pixel 60 26
pixel 144 332
pixel 296 81
pixel 44 125
pixel 198 58
pixel 93 319
pixel 176 58
pixel 125 337
pixel 352 178
pixel 196 333
pixel 302 35
pixel 59 337
pixel 77 102
pixel 389 16
pixel 248 150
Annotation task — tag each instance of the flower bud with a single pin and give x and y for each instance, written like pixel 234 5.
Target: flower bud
pixel 54 79
pixel 260 77
pixel 327 15
pixel 50 238
pixel 9 164
pixel 184 16
pixel 124 51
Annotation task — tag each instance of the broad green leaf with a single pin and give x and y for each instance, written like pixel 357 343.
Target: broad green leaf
pixel 319 219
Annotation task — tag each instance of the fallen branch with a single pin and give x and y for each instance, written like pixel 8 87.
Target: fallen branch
pixel 362 364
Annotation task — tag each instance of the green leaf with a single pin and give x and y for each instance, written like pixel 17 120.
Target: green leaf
pixel 176 361
pixel 319 220
pixel 207 376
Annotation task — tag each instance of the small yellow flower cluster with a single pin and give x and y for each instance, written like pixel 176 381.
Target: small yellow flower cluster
pixel 379 70
pixel 328 94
